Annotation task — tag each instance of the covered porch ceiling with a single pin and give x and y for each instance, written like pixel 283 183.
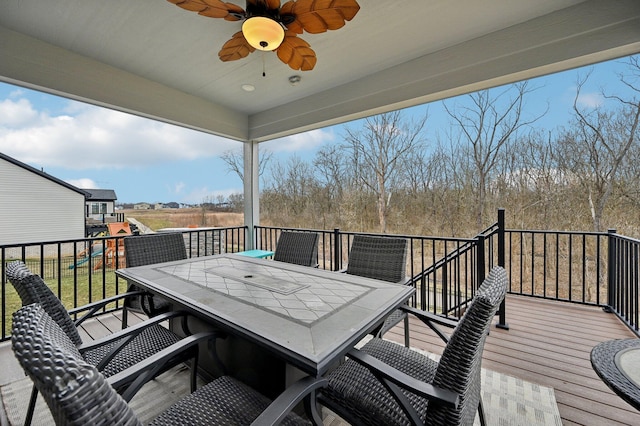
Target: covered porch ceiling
pixel 154 59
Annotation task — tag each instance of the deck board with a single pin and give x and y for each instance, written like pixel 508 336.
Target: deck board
pixel 549 343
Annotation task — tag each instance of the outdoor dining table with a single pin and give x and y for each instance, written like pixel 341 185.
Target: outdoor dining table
pixel 617 362
pixel 302 317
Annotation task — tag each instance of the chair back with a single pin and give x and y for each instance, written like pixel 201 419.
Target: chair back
pixel 381 258
pixel 459 369
pixel 141 250
pixel 76 393
pixel 148 249
pixel 296 247
pixel 32 289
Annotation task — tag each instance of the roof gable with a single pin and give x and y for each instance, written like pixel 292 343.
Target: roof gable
pixel 101 194
pixel 42 174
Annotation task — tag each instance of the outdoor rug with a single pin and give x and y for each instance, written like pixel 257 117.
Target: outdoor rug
pixel 507 400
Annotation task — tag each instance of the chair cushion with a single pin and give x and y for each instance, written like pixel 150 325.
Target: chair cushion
pixel 352 385
pixel 225 401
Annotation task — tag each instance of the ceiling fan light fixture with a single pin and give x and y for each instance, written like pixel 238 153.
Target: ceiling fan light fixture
pixel 263 33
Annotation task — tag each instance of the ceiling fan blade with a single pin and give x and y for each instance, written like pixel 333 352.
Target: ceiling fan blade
pixel 272 4
pixel 212 8
pixel 236 48
pixel 296 53
pixel 316 17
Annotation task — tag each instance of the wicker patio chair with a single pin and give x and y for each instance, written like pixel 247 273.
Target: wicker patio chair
pixel 77 394
pixel 300 248
pixel 116 352
pixel 386 383
pixel 141 250
pixel 381 258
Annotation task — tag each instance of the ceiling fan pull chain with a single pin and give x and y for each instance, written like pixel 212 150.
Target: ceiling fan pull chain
pixel 264 74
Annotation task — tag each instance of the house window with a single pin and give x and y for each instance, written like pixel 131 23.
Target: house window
pixel 98 208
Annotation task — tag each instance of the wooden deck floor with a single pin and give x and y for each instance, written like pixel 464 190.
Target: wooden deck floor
pixel 549 343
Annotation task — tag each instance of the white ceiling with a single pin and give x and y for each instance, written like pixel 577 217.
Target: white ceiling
pixel 154 59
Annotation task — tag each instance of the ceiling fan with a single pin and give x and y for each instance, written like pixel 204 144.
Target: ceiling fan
pixel 269 26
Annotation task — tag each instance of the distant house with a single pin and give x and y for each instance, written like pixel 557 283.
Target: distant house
pixel 141 206
pixel 35 206
pixel 100 203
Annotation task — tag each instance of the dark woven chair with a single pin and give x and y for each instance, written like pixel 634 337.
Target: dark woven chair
pixel 77 394
pixel 141 250
pixel 381 258
pixel 300 248
pixel 117 352
pixel 604 361
pixel 388 384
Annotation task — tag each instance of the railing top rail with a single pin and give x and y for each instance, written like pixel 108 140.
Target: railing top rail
pixel 409 236
pixel 540 231
pixel 292 229
pixel 622 237
pixel 110 237
pixel 351 233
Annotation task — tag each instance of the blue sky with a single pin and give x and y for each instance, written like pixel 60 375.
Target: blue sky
pixel 145 160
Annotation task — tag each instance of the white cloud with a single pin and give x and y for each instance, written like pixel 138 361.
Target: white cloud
pixel 590 100
pixel 177 188
pixel 16 113
pixel 84 183
pixel 302 141
pixel 90 137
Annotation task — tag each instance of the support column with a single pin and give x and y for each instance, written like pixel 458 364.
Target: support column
pixel 251 192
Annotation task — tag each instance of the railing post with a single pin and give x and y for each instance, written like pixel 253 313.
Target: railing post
pixel 480 259
pixel 611 276
pixel 257 238
pixel 501 243
pixel 502 312
pixel 337 251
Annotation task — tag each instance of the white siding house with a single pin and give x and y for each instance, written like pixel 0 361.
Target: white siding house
pixel 101 204
pixel 35 206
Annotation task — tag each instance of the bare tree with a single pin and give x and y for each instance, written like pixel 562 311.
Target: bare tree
pixel 333 177
pixel 289 193
pixel 378 150
pixel 487 125
pixel 234 160
pixel 594 150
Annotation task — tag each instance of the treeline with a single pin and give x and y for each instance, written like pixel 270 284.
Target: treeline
pixel 385 176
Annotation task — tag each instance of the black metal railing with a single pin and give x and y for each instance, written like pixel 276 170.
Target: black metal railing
pixel 558 265
pixel 82 271
pixel 623 282
pixel 593 268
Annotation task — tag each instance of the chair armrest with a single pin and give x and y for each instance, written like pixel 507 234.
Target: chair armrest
pixel 130 332
pixel 128 382
pixel 405 281
pixel 431 320
pixel 96 306
pixel 288 399
pixel 389 375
